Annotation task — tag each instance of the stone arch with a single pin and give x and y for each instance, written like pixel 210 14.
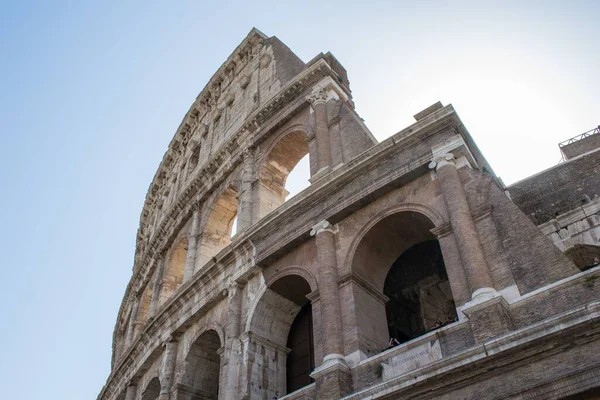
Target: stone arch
pixel 143 308
pixel 202 373
pixel 404 289
pixel 426 210
pixel 584 256
pixel 174 270
pixel 152 390
pixel 294 270
pixel 217 225
pixel 211 326
pixel 272 323
pixel 280 158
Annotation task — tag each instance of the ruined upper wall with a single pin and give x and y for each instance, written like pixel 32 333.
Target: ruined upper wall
pixel 558 189
pixel 248 79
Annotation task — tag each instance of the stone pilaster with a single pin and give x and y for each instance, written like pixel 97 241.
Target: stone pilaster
pixel 132 321
pixel 463 226
pixel 130 392
pixel 318 100
pixel 157 285
pixel 232 342
pixel 168 369
pixel 193 236
pixel 333 375
pixel 245 208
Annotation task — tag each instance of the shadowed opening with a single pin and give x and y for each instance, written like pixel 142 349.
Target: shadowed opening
pixel 203 367
pixel 152 391
pixel 282 332
pixel 400 258
pixel 584 256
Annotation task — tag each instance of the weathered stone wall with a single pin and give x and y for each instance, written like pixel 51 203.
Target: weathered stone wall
pixel 214 323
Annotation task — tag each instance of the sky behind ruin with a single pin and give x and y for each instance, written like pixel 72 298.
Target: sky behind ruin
pixel 93 91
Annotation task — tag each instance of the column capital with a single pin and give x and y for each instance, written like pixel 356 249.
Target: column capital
pixel 318 96
pixel 169 340
pixel 322 226
pixel 439 160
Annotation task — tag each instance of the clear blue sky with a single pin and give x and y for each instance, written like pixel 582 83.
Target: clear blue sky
pixel 93 91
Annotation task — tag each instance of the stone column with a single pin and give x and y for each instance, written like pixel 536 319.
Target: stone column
pixel 488 311
pixel 328 289
pixel 157 285
pixel 245 218
pixel 232 342
pixel 190 259
pixel 463 226
pixel 318 100
pixel 168 369
pixel 130 393
pixel 333 375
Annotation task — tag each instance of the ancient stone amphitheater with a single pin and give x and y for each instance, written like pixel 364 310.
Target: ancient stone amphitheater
pixel 406 270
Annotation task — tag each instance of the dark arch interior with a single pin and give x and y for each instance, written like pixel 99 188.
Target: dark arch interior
pixel 301 358
pixel 419 293
pixel 203 367
pixel 300 361
pixel 584 256
pixel 152 391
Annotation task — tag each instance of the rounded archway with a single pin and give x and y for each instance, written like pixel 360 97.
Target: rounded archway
pixel 287 153
pixel 281 329
pixel 216 234
pixel 203 367
pixel 584 256
pixel 152 390
pixel 400 259
pixel 173 276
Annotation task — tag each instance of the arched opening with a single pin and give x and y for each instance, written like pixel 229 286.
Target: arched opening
pixel 402 261
pixel 203 367
pixel 173 275
pixel 420 298
pixel 143 309
pixel 584 256
pixel 281 330
pixel 217 231
pixel 290 153
pixel 152 390
pixel 301 358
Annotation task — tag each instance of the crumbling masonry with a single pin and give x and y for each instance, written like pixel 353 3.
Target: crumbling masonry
pixel 406 270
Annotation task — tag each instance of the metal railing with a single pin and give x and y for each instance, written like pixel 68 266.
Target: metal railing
pixel 579 137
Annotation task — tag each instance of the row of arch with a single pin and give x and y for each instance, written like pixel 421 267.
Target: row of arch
pixel 395 253
pixel 287 156
pixel 406 265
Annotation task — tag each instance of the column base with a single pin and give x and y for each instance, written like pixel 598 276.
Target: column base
pixel 489 314
pixel 332 378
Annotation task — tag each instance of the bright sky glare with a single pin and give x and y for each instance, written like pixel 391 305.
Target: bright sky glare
pixel 93 91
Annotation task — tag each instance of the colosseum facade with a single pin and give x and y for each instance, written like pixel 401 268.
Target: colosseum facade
pixel 406 270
